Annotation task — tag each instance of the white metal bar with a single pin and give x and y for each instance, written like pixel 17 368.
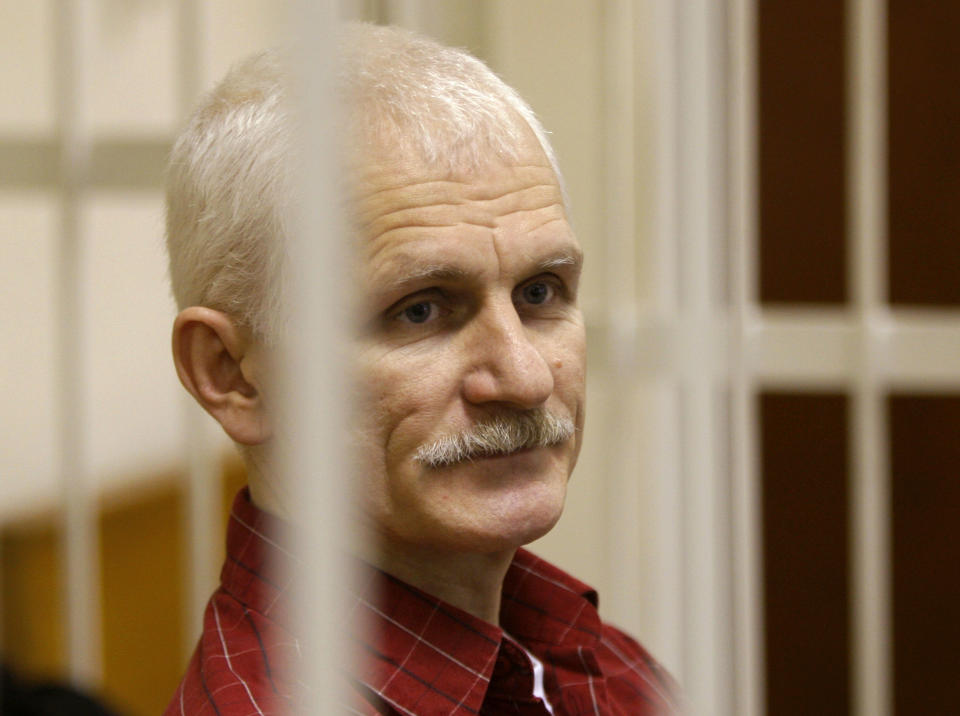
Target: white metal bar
pixel 620 179
pixel 201 516
pixel 922 352
pixel 360 10
pixel 624 533
pixel 81 583
pixel 706 518
pixel 315 420
pixel 745 480
pixel 805 349
pixel 658 345
pixel 870 551
pixel 667 206
pixel 406 13
pixel 190 65
pixel 914 350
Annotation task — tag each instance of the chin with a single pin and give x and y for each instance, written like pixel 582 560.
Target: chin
pixel 525 519
pixel 482 507
pixel 518 506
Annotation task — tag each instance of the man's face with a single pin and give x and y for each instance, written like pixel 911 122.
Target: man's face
pixel 469 286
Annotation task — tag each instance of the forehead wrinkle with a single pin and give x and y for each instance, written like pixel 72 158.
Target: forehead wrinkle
pixel 417 196
pixel 424 217
pixel 545 207
pixel 380 179
pixel 392 192
pixel 375 220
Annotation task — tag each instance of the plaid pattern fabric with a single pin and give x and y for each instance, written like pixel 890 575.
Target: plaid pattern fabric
pixel 416 654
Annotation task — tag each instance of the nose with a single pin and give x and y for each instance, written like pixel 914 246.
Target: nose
pixel 505 364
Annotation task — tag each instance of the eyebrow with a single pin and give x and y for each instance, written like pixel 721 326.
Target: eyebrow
pixel 424 274
pixel 418 275
pixel 565 258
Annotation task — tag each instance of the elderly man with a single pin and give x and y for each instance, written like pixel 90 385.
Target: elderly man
pixel 471 365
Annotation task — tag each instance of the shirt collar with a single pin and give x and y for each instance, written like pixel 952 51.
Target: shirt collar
pixel 543 606
pixel 258 567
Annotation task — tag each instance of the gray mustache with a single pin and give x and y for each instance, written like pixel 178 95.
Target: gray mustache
pixel 499 435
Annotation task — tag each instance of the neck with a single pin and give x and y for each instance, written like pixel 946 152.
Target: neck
pixel 471 582
pixel 266 491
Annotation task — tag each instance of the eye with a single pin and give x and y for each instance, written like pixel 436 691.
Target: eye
pixel 419 312
pixel 537 292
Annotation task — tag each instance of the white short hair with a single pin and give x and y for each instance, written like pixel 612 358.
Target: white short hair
pixel 228 181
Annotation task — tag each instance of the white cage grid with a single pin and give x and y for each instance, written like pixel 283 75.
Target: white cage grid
pixel 695 348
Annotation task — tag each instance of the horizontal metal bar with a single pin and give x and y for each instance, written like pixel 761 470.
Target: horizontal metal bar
pixel 135 163
pixel 920 350
pixel 802 348
pixel 29 163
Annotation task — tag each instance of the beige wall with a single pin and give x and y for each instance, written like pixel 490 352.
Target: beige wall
pixel 133 405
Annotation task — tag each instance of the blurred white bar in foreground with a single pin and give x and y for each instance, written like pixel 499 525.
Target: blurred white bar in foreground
pixel 79 552
pixel 316 411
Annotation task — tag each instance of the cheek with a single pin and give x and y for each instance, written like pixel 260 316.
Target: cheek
pixel 402 399
pixel 569 374
pixel 569 366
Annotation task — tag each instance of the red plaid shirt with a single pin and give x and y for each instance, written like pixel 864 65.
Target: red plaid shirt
pixel 421 656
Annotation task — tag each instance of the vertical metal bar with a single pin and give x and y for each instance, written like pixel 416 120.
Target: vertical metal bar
pixel 315 386
pixel 201 518
pixel 81 564
pixel 747 562
pixel 702 227
pixel 668 208
pixel 870 549
pixel 406 13
pixel 666 461
pixel 623 531
pixel 190 34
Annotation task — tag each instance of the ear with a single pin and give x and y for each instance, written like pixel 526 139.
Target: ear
pixel 221 365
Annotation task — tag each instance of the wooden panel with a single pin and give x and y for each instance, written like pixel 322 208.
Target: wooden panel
pixel 802 192
pixel 924 154
pixel 805 553
pixel 32 625
pixel 144 565
pixel 925 498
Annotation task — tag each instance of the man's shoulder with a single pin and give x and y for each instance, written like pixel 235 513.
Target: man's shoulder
pixel 625 662
pixel 238 666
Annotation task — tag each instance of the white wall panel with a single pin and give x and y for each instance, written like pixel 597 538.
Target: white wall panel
pixel 131 402
pixel 28 223
pixel 26 68
pixel 131 79
pixel 458 23
pixel 237 28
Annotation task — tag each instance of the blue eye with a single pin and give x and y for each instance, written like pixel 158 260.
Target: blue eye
pixel 537 293
pixel 419 312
